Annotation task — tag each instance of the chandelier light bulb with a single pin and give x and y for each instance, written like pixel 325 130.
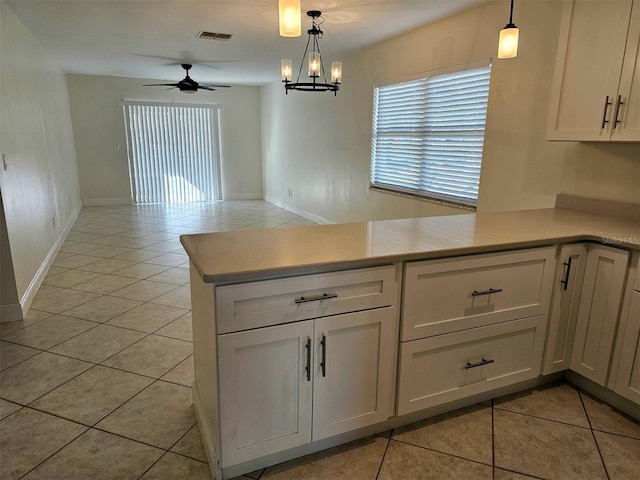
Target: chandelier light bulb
pixel 314 64
pixel 285 70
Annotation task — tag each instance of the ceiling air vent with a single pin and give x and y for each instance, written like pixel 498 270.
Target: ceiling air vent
pixel 223 37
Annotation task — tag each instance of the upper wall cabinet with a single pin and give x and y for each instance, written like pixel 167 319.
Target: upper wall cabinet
pixel 596 86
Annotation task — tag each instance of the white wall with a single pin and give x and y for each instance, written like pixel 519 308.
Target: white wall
pixel 319 146
pixel 40 190
pixel 98 126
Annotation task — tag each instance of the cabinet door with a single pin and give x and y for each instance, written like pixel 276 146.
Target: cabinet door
pixel 628 377
pixel 627 126
pixel 591 49
pixel 265 390
pixel 354 365
pixel 598 313
pixel 564 307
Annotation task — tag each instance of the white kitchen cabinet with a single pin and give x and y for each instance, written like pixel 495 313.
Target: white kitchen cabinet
pixel 600 300
pixel 443 368
pixel 565 302
pixel 628 375
pixel 288 385
pixel 286 382
pixel 596 87
pixel 624 378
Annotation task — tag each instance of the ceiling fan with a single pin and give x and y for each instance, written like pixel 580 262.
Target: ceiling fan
pixel 187 84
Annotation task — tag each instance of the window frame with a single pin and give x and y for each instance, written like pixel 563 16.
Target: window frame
pixel 426 194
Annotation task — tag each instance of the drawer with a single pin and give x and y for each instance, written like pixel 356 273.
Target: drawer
pixel 272 302
pixel 447 295
pixel 441 369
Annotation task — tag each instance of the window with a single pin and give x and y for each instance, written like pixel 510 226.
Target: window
pixel 428 135
pixel 174 152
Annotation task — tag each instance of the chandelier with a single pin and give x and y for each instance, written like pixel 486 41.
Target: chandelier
pixel 316 71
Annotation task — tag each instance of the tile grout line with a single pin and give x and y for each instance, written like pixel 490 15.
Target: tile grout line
pixel 493 442
pixel 444 453
pixel 56 452
pixel 384 455
pixel 543 418
pixel 593 435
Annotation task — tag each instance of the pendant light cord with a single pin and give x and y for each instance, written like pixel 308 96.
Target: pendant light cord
pixel 511 17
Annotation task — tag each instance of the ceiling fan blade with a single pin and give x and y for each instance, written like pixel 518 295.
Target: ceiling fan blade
pixel 161 85
pixel 209 86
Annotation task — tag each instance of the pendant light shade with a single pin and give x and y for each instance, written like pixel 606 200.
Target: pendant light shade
pixel 289 18
pixel 508 45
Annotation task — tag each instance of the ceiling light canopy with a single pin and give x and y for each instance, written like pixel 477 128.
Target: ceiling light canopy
pixel 508 45
pixel 315 67
pixel 289 18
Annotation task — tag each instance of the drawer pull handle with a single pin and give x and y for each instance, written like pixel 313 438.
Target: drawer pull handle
pixel 323 364
pixel 479 364
pixel 308 367
pixel 565 282
pixel 316 298
pixel 486 292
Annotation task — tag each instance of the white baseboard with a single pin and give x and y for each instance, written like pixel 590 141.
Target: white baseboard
pixel 242 196
pixel 38 278
pixel 100 202
pixel 299 211
pixel 10 313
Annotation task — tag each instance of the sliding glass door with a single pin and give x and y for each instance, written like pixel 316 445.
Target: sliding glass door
pixel 174 152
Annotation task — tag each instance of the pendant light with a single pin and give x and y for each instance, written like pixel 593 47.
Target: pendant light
pixel 315 68
pixel 508 45
pixel 289 18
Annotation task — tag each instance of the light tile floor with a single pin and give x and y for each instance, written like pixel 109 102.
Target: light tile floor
pixel 96 382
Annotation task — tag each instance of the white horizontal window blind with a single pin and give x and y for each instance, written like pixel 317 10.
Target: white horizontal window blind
pixel 174 152
pixel 428 136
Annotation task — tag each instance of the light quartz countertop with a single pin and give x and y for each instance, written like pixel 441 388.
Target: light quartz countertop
pixel 258 254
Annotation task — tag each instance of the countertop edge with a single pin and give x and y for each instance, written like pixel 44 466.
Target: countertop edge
pixel 311 268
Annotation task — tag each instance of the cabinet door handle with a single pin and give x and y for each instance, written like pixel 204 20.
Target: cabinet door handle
pixel 316 298
pixel 308 367
pixel 323 363
pixel 615 115
pixel 604 115
pixel 565 282
pixel 478 364
pixel 475 293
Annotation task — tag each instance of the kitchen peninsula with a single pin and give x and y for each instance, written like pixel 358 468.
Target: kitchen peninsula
pixel 306 337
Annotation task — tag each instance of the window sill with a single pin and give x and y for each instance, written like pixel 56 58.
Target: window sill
pixel 424 198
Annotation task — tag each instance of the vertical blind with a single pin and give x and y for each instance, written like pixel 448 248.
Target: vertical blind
pixel 174 152
pixel 428 135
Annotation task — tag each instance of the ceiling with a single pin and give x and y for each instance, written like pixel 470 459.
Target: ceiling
pixel 150 38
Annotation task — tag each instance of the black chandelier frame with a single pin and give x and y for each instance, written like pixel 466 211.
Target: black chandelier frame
pixel 315 86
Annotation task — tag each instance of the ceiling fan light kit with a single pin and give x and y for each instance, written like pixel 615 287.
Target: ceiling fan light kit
pixel 188 84
pixel 315 69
